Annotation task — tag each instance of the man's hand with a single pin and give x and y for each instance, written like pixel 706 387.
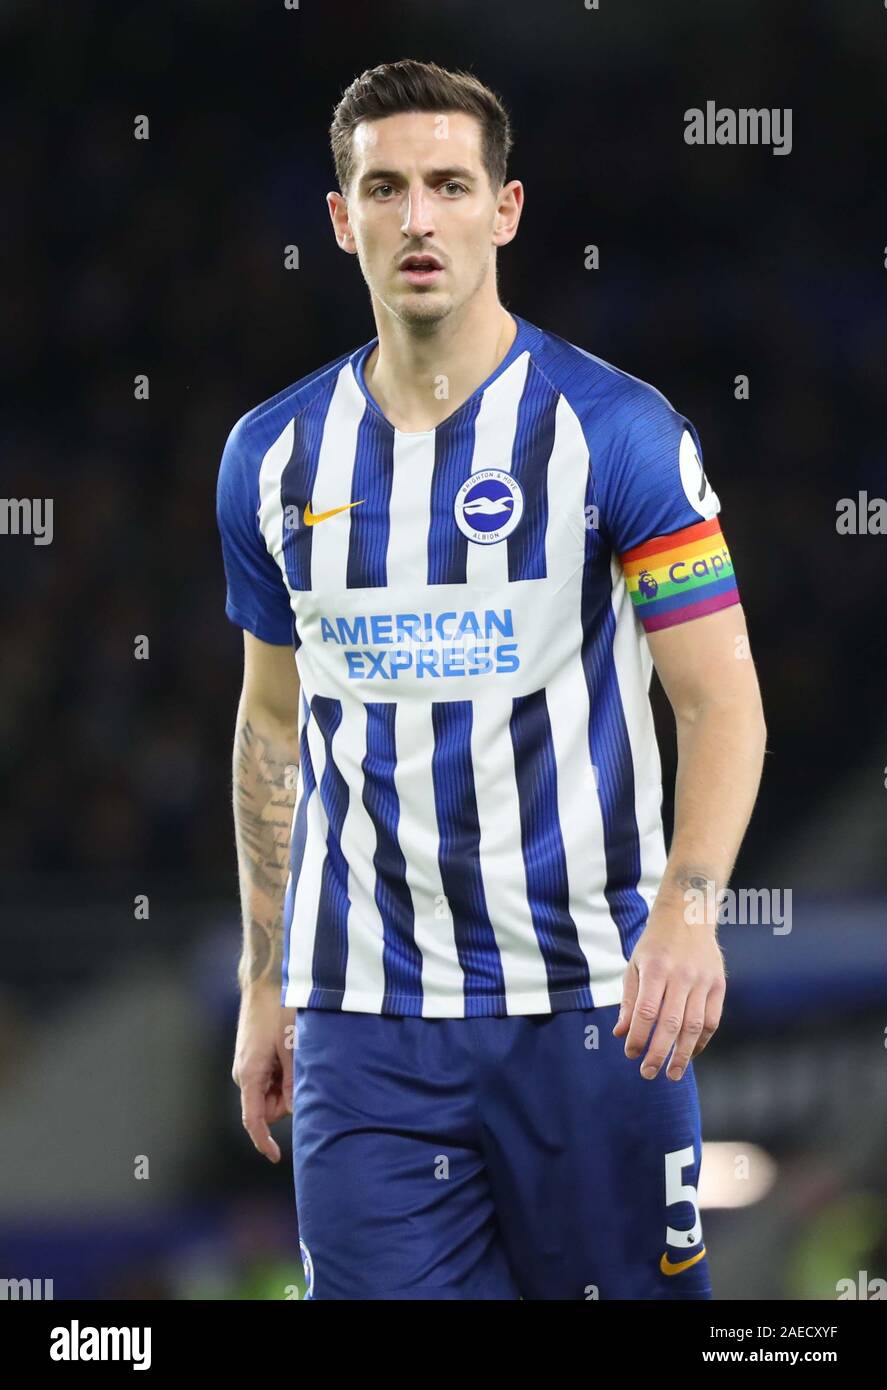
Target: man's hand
pixel 675 974
pixel 675 978
pixel 263 1064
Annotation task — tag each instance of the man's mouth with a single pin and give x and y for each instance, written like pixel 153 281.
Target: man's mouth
pixel 421 270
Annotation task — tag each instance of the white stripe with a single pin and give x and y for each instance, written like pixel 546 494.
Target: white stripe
pixel 442 979
pixel 494 432
pixel 501 854
pixel 634 668
pixel 332 486
pixel 364 971
pixel 579 808
pixel 410 511
pixel 270 514
pixel 303 931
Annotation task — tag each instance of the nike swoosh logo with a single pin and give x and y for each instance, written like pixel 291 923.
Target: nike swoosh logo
pixel 667 1267
pixel 312 518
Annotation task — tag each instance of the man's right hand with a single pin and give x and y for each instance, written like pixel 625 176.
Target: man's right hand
pixel 263 1064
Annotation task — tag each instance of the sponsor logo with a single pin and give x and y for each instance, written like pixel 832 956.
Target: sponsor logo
pixel 386 646
pixel 312 518
pixel 667 1267
pixel 488 506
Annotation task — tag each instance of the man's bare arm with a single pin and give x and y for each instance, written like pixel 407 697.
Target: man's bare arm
pixel 676 972
pixel 266 753
pixel 264 793
pixel 710 680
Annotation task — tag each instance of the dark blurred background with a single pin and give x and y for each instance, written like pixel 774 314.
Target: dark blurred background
pixel 165 257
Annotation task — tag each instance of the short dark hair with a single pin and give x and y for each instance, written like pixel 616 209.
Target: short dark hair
pixel 410 85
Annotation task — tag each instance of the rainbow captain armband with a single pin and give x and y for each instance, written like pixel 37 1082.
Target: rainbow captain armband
pixel 674 578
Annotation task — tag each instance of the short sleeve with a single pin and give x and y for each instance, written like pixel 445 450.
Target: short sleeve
pixel 662 515
pixel 257 597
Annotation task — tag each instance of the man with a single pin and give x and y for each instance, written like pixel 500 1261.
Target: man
pixel 479 539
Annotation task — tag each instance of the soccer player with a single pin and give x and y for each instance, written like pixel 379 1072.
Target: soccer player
pixel 456 554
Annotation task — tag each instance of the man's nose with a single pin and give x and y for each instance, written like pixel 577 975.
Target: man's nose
pixel 417 217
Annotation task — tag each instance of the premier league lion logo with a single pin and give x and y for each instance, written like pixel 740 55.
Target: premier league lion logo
pixel 647 585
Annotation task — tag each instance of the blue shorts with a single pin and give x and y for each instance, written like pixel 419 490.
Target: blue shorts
pixel 521 1157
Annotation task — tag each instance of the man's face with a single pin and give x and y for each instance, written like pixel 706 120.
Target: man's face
pixel 420 189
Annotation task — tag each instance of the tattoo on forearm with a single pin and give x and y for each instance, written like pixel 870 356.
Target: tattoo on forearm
pixel 264 954
pixel 692 878
pixel 263 812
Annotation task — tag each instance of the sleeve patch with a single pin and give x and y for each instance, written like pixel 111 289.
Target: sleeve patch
pixel 672 579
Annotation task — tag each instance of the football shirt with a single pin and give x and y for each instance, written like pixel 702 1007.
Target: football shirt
pixel 477 828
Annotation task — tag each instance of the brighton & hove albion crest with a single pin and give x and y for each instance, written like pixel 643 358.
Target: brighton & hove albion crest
pixel 488 506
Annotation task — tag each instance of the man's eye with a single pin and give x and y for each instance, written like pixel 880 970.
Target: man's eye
pixel 379 187
pixel 451 183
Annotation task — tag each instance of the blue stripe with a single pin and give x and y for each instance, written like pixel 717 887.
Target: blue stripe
pixel 371 486
pixel 297 482
pixel 401 957
pixel 531 454
pixel 608 742
pixel 297 848
pixel 331 940
pixel 545 860
pixel 459 855
pixel 453 453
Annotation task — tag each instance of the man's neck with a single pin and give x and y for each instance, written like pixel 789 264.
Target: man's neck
pixel 418 379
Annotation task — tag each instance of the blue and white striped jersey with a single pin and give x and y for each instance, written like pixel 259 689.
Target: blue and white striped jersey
pixel 477 827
